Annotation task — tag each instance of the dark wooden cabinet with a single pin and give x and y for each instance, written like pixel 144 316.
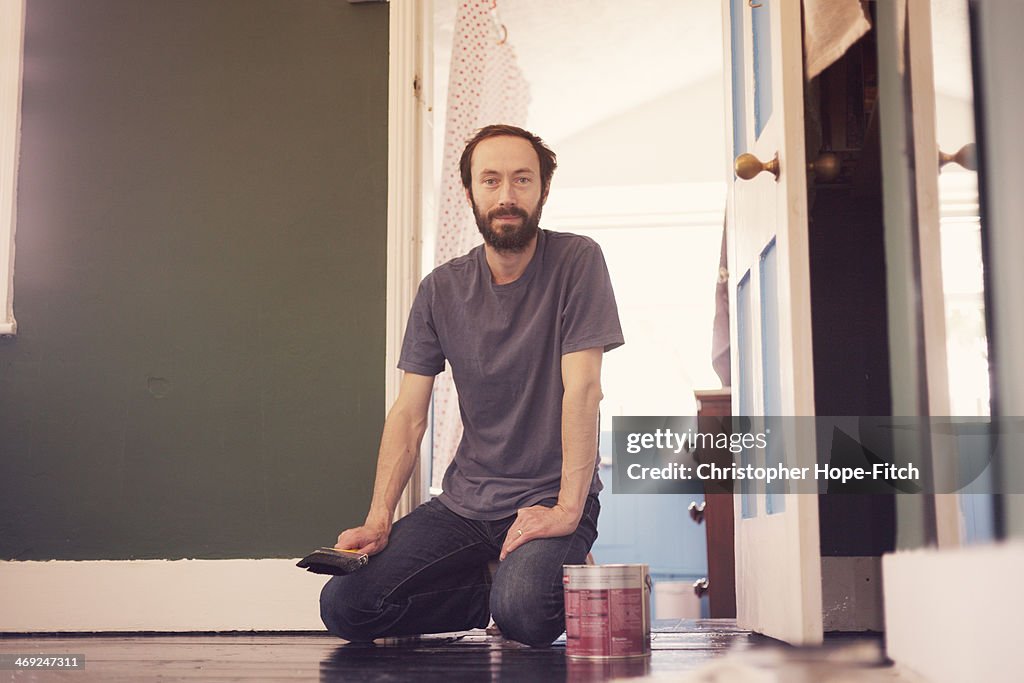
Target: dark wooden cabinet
pixel 718 517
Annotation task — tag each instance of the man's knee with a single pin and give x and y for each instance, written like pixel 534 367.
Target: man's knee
pixel 350 612
pixel 531 617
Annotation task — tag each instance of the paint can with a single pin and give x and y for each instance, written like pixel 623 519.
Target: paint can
pixel 607 610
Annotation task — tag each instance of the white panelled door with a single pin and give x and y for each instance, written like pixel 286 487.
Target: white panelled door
pixel 778 562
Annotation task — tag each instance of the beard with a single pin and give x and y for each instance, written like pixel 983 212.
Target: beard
pixel 506 237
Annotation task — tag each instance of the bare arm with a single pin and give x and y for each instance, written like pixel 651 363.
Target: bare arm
pixel 399 449
pixel 581 376
pixel 581 379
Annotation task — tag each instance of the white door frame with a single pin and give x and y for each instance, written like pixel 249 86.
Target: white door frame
pixel 410 68
pixel 12 41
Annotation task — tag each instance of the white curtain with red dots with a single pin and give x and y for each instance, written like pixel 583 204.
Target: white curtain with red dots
pixel 485 86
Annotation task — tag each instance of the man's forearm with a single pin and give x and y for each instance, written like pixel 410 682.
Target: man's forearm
pixel 399 450
pixel 579 445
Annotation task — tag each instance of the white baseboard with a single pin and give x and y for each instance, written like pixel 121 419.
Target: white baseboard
pixel 159 595
pixel 954 615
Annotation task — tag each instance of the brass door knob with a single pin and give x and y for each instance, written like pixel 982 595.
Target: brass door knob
pixel 966 156
pixel 700 587
pixel 747 166
pixel 696 511
pixel 825 167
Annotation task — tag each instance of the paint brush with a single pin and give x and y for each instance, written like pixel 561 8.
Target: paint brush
pixel 334 561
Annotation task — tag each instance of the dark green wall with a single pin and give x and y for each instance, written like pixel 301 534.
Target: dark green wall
pixel 199 279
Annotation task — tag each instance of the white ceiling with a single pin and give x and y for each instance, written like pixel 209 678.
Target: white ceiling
pixel 590 60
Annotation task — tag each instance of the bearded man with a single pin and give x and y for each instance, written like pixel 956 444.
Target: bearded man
pixel 523 320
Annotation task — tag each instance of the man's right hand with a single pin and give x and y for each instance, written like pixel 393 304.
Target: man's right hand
pixel 369 539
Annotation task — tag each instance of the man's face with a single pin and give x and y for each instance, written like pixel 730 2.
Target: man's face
pixel 506 192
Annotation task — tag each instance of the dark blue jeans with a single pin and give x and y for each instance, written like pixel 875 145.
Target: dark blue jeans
pixel 433 578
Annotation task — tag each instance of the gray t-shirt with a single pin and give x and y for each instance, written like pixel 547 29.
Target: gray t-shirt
pixel 505 345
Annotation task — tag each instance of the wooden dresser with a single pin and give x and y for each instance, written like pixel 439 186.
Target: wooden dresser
pixel 716 513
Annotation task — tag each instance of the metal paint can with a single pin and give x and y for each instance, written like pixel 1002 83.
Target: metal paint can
pixel 607 610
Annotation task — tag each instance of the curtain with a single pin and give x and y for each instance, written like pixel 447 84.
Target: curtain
pixel 485 86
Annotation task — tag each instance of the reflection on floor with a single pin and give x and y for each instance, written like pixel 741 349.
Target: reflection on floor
pixel 704 650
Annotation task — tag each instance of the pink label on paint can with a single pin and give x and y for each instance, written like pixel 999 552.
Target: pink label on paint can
pixel 607 614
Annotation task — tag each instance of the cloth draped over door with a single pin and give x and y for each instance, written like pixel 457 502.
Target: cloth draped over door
pixel 485 86
pixel 830 28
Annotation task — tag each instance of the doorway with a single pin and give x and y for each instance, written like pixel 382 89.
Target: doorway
pixel 629 96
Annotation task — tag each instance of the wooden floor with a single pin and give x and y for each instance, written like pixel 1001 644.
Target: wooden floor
pixel 706 650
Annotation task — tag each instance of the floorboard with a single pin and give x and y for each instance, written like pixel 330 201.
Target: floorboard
pixel 702 650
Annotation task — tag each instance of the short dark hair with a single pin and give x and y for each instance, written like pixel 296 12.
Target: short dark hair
pixel 544 153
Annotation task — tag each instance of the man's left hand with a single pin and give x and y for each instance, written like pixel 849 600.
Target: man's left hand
pixel 538 522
